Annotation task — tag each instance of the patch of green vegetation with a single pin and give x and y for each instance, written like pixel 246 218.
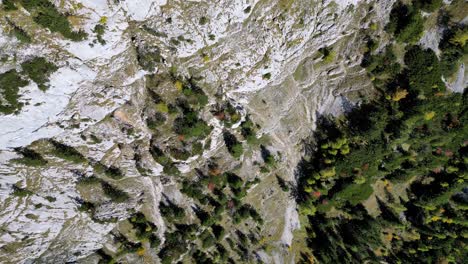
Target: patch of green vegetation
pixel 144 229
pixel 30 158
pixel 111 171
pixel 113 193
pixel 148 57
pixel 285 186
pixel 21 192
pixel 233 145
pixel 412 135
pixel 266 76
pixel 50 199
pixel 9 5
pixel 159 156
pixel 46 14
pixel 406 23
pixel 171 211
pixel 203 21
pixel 248 131
pixel 66 152
pixel 190 126
pixel 89 180
pixel 10 82
pixel 99 30
pixel 39 69
pixel 424 74
pixel 453 47
pixel 328 54
pixel 19 33
pixel 428 5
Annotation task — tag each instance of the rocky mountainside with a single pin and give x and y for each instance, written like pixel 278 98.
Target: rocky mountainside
pixel 155 130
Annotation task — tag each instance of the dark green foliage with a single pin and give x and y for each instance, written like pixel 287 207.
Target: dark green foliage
pixel 9 5
pixel 233 145
pixel 100 30
pixel 154 241
pixel 405 23
pixel 10 82
pixel 201 257
pixel 194 94
pixel 451 51
pixel 89 180
pixel 208 240
pixel 248 131
pixel 161 158
pixel 19 33
pixel 423 68
pixel 266 76
pixel 104 257
pixel 50 199
pixel 46 14
pixel 218 231
pixel 175 244
pixel 203 20
pixel 171 212
pixel 428 5
pixel 144 230
pixel 39 70
pixel 383 65
pixel 283 184
pixel 113 193
pixel 149 57
pixel 30 157
pixel 418 140
pixel 190 126
pixel 67 153
pixel 155 121
pixel 86 207
pixel 21 192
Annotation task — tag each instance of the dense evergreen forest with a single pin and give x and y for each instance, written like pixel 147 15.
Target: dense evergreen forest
pixel 386 181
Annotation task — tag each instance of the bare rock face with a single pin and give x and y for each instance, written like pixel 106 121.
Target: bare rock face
pixel 278 62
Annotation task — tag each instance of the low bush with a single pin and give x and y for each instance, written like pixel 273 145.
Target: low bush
pixel 10 82
pixel 39 69
pixel 46 14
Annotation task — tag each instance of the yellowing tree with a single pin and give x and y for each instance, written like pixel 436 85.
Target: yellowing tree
pixel 399 94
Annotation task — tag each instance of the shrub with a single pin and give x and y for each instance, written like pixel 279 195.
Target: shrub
pixel 19 33
pixel 149 57
pixel 203 20
pixel 233 145
pixel 9 5
pixel 47 15
pixel 99 30
pixel 191 126
pixel 428 5
pixel 67 153
pixel 30 157
pixel 405 23
pixel 171 212
pixel 39 70
pixel 21 192
pixel 10 82
pixel 113 193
